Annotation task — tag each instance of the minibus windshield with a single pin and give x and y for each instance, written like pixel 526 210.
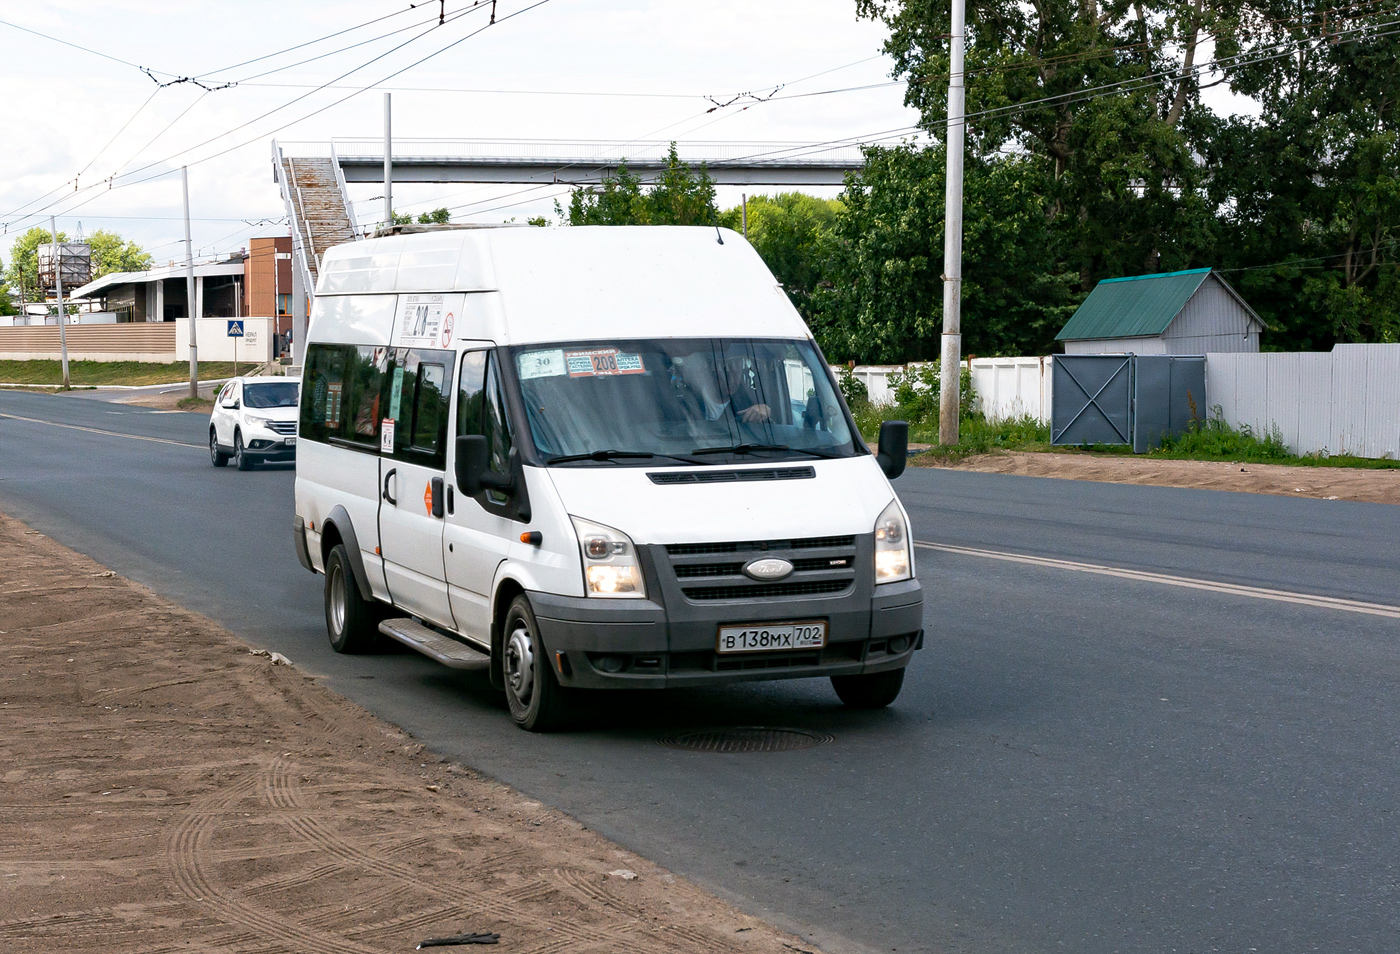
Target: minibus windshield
pixel 681 400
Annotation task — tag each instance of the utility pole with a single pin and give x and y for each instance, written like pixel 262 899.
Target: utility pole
pixel 950 376
pixel 62 318
pixel 189 288
pixel 388 163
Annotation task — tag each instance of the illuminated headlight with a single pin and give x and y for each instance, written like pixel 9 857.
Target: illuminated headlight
pixel 610 565
pixel 893 558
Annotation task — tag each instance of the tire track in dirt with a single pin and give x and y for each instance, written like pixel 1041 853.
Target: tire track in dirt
pixel 185 845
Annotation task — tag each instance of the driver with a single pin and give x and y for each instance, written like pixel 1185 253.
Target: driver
pixel 734 377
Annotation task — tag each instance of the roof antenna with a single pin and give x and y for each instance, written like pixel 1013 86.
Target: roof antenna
pixel 718 238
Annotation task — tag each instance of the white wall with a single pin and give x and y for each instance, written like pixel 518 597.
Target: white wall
pixel 1346 401
pixel 255 346
pixel 1013 387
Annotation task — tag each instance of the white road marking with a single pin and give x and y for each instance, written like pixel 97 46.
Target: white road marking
pixel 1213 586
pixel 98 430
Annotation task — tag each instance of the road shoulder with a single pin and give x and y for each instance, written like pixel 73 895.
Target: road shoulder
pixel 165 788
pixel 1327 483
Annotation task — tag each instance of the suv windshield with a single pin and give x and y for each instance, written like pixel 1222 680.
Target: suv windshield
pixel 280 394
pixel 664 401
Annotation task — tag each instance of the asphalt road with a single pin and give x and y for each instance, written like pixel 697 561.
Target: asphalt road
pixel 1078 762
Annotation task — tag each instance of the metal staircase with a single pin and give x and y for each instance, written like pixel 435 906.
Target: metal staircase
pixel 320 214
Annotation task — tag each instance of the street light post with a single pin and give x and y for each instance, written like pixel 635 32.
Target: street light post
pixel 950 376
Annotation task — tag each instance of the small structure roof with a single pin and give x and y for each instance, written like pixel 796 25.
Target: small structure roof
pixel 95 287
pixel 1138 306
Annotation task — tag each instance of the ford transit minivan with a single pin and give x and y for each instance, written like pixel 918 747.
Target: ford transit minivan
pixel 604 457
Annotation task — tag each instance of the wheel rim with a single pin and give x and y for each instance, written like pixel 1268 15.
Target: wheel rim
pixel 520 665
pixel 337 599
pixel 238 447
pixel 213 446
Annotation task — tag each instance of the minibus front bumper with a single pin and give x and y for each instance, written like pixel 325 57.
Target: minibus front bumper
pixel 672 638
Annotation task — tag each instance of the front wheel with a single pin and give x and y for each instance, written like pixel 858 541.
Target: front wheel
pixel 873 690
pixel 241 460
pixel 536 700
pixel 352 622
pixel 217 457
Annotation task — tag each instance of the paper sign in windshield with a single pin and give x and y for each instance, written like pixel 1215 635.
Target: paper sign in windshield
pixel 541 364
pixel 602 361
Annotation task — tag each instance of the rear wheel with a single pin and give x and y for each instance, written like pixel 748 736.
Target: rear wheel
pixel 241 460
pixel 536 700
pixel 217 457
pixel 873 690
pixel 352 622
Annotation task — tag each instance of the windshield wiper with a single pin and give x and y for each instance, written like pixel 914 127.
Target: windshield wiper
pixel 751 448
pixel 602 455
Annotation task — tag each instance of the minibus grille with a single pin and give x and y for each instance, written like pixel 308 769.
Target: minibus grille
pixel 729 476
pixel 826 566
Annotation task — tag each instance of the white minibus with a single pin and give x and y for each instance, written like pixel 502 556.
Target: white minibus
pixel 605 457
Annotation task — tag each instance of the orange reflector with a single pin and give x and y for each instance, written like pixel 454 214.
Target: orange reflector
pixel 533 537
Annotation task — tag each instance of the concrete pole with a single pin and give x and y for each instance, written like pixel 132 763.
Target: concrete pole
pixel 951 362
pixel 189 288
pixel 388 163
pixel 62 318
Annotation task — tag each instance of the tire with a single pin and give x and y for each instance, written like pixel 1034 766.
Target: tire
pixel 873 690
pixel 352 622
pixel 216 457
pixel 536 701
pixel 241 460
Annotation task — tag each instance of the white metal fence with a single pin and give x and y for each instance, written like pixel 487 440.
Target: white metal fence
pixel 1346 401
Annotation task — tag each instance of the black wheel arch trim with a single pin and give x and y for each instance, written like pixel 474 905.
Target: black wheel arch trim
pixel 340 519
pixel 299 544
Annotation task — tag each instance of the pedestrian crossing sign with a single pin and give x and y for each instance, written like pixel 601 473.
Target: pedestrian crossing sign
pixel 235 329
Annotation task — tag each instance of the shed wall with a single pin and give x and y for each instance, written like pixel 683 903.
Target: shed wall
pixel 1211 321
pixel 1146 345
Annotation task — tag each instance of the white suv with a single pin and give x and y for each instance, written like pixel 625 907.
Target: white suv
pixel 254 419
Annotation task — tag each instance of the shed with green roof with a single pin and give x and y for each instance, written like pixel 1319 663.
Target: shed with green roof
pixel 1191 312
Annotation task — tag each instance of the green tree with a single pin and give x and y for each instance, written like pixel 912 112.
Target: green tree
pixel 112 253
pixel 791 232
pixel 6 306
pixel 883 300
pixel 435 217
pixel 680 196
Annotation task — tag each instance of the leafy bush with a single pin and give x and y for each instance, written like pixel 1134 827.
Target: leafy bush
pixel 1215 439
pixel 916 393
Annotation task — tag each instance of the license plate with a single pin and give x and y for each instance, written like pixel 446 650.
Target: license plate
pixel 767 637
pixel 289 441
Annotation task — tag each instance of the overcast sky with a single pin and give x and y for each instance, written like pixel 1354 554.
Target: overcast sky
pixel 68 111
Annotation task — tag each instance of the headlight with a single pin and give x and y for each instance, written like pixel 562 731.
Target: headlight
pixel 893 559
pixel 610 567
pixel 254 419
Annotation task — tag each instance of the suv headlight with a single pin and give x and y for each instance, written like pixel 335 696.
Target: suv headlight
pixel 610 567
pixel 254 419
pixel 894 560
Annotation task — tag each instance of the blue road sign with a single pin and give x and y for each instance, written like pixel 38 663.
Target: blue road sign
pixel 235 329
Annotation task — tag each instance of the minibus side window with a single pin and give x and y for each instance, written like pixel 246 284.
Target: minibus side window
pixel 419 389
pixel 481 410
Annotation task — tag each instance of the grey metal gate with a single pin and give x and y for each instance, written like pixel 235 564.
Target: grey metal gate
pixel 1126 398
pixel 1169 392
pixel 1092 399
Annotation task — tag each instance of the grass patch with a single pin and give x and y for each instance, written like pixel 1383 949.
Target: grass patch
pixel 133 373
pixel 194 404
pixel 1210 440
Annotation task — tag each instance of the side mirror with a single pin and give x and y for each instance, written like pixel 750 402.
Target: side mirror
pixel 894 448
pixel 233 405
pixel 473 467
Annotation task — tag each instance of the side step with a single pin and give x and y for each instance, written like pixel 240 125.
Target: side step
pixel 433 644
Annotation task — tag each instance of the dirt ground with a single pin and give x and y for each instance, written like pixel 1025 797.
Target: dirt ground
pixel 164 789
pixel 1327 483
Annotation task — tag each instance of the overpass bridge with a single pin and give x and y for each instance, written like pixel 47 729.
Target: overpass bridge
pixel 314 177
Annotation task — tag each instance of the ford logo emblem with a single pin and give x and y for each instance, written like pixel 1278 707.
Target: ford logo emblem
pixel 769 568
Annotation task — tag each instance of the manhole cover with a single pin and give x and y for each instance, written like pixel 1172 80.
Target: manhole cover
pixel 747 738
